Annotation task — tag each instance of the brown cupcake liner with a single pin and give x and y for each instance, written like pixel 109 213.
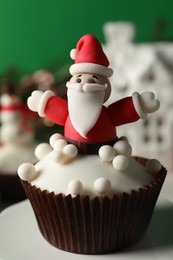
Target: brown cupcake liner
pixel 95 226
pixel 11 187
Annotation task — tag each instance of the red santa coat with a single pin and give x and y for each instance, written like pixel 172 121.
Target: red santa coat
pixel 118 113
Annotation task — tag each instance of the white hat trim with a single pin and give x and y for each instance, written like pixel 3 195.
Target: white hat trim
pixel 90 68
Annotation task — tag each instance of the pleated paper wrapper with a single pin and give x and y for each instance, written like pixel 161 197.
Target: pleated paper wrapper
pixel 95 226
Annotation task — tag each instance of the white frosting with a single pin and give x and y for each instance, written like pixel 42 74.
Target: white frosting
pixel 11 156
pixel 88 175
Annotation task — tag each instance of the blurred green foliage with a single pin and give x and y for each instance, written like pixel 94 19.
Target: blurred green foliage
pixel 37 34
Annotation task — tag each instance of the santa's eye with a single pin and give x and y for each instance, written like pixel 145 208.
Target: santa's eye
pixel 91 81
pixel 78 80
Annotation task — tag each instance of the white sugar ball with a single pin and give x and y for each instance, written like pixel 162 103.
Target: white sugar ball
pixel 123 147
pixel 27 171
pixel 102 185
pixel 58 157
pixel 54 138
pixel 42 150
pixel 60 144
pixel 107 153
pixel 75 187
pixel 120 162
pixel 153 166
pixel 70 150
pixel 73 53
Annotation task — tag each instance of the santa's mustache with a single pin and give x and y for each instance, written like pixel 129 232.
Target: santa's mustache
pixel 87 87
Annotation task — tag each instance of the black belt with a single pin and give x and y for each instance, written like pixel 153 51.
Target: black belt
pixel 89 148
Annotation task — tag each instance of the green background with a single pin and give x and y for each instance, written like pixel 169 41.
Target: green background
pixel 36 33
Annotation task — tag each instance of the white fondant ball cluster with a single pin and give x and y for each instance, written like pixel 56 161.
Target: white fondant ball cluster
pixel 61 149
pixel 118 154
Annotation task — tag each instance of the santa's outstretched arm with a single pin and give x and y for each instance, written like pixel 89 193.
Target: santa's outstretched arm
pixel 48 105
pixel 130 109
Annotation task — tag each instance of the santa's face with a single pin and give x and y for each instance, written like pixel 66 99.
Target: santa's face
pixel 86 95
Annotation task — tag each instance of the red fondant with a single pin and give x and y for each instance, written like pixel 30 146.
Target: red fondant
pixel 11 108
pixel 57 110
pixel 120 112
pixel 90 51
pixel 126 112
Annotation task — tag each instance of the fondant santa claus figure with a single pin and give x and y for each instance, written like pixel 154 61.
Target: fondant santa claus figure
pixel 88 124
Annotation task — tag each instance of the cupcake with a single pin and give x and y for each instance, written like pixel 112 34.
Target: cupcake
pixel 16 145
pixel 88 193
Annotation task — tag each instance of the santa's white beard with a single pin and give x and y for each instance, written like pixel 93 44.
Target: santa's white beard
pixel 84 109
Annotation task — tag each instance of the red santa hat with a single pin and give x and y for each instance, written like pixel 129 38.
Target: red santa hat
pixel 89 57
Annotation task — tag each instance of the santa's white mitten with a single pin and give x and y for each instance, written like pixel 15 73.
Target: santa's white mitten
pixel 145 103
pixel 38 100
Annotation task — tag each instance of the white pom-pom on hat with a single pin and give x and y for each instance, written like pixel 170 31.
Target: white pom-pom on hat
pixel 73 54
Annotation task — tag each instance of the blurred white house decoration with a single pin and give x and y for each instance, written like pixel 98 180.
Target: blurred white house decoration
pixel 143 67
